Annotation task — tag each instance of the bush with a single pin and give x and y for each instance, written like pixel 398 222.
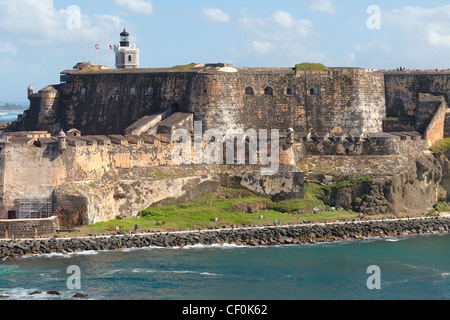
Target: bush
pixel 306 66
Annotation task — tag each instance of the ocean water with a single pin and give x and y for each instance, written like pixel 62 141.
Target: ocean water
pixel 410 268
pixel 9 115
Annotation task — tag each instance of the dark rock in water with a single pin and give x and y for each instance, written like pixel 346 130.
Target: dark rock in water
pixel 80 295
pixel 35 292
pixel 53 292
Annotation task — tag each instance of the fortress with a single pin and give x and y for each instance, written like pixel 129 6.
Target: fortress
pixel 98 144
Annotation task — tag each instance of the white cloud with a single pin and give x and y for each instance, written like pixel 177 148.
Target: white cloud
pixel 38 22
pixel 413 37
pixel 326 6
pixel 430 26
pixel 372 46
pixel 137 6
pixel 216 15
pixel 262 47
pixel 7 48
pixel 281 37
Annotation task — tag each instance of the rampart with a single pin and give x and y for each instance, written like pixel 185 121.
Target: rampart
pixel 108 101
pixel 101 173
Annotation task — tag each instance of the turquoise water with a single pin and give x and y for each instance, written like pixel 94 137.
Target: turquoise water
pixel 9 115
pixel 411 268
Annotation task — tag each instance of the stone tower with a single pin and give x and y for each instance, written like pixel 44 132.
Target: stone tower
pixel 127 57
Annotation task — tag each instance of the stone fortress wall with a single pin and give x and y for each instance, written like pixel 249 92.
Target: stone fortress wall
pixel 106 102
pixel 111 170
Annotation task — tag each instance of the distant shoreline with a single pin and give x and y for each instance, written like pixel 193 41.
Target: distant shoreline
pixel 252 236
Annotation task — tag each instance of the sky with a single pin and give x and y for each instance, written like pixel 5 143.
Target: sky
pixel 41 38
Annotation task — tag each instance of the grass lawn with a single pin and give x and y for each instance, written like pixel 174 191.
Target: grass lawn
pixel 226 205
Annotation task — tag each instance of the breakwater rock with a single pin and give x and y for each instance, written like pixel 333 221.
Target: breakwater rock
pixel 306 233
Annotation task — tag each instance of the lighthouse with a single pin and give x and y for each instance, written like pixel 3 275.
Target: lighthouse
pixel 127 57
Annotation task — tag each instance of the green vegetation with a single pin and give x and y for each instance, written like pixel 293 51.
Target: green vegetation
pixel 441 206
pixel 227 205
pixel 185 67
pixel 306 66
pixel 350 182
pixel 441 146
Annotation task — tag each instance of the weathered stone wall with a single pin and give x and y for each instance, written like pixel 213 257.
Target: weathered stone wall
pixel 403 89
pixel 92 183
pixel 29 228
pixel 31 170
pixel 328 101
pixel 436 126
pixel 349 101
pixel 376 144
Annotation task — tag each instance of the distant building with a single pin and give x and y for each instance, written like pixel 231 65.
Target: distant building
pixel 127 57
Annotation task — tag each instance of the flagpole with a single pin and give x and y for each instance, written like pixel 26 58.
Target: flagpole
pixel 96 48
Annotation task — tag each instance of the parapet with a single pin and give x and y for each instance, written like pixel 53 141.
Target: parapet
pixel 398 143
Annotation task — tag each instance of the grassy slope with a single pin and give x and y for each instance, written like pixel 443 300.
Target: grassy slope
pixel 222 204
pixel 441 147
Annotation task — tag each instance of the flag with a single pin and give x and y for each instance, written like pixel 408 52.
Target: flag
pixel 97 46
pixel 110 47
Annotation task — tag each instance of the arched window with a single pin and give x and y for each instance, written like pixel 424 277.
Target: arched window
pixel 290 91
pixel 83 92
pixel 149 92
pixel 268 91
pixel 313 91
pixel 129 58
pixel 249 91
pixel 132 92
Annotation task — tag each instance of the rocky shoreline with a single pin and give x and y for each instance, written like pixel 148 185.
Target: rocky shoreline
pixel 280 235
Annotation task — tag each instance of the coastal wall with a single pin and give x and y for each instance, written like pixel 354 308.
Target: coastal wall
pixel 338 100
pixel 31 170
pixel 307 233
pixel 29 228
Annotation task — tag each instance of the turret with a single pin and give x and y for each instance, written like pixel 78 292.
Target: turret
pixel 30 91
pixel 62 141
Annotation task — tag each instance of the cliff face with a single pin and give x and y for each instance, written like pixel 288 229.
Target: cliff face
pixel 341 101
pixel 411 183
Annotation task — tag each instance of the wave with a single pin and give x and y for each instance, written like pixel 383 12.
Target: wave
pixel 61 255
pixel 143 270
pixel 212 246
pixel 25 294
